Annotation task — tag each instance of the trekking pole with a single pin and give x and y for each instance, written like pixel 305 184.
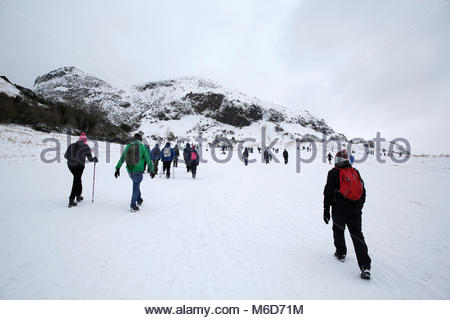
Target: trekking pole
pixel 173 170
pixel 93 184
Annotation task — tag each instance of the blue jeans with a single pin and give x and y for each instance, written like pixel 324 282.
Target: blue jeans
pixel 136 177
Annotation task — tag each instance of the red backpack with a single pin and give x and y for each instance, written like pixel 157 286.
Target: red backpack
pixel 193 155
pixel 351 185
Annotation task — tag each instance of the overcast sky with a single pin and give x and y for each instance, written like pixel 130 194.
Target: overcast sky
pixel 364 66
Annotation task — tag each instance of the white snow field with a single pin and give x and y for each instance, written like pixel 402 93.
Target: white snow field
pixel 236 232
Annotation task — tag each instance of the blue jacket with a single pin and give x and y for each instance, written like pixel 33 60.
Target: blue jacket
pixel 172 153
pixel 156 153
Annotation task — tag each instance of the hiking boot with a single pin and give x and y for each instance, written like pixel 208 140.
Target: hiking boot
pixel 79 198
pixel 72 203
pixel 134 209
pixel 340 257
pixel 139 203
pixel 365 274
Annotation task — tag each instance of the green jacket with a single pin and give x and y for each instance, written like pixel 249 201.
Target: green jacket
pixel 144 158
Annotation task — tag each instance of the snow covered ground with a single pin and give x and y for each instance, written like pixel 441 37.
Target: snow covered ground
pixel 236 232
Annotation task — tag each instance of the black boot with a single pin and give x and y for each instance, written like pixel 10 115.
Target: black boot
pixel 72 203
pixel 79 198
pixel 365 274
pixel 134 209
pixel 340 257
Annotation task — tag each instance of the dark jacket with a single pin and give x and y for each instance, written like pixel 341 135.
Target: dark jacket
pixel 331 194
pixel 285 154
pixel 245 154
pixel 77 153
pixel 187 153
pixel 193 162
pixel 177 151
pixel 156 153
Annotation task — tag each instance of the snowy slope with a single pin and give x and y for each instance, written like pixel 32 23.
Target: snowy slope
pixel 8 88
pixel 234 233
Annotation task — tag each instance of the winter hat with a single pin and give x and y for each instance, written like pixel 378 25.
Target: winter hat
pixel 341 156
pixel 138 136
pixel 83 137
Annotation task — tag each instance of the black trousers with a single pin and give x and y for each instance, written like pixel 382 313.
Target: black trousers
pixel 166 167
pixel 175 161
pixel 285 160
pixel 351 217
pixel 77 188
pixel 155 166
pixel 193 169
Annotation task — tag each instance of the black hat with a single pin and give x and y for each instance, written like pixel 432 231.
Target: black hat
pixel 137 136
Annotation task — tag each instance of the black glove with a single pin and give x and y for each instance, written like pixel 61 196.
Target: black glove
pixel 152 174
pixel 95 160
pixel 117 173
pixel 326 215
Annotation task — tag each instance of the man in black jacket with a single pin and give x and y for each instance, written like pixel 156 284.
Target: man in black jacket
pixel 285 156
pixel 346 211
pixel 76 155
pixel 187 156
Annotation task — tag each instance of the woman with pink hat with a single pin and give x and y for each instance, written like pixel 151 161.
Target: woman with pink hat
pixel 76 155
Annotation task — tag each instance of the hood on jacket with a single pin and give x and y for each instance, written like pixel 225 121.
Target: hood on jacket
pixel 188 145
pixel 168 144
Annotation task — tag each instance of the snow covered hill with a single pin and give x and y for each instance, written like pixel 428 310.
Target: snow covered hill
pixel 236 232
pixel 183 106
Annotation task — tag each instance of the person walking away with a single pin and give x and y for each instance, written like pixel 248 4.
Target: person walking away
pixel 187 156
pixel 177 154
pixel 245 156
pixel 329 156
pixel 266 156
pixel 136 158
pixel 167 155
pixel 155 156
pixel 194 160
pixel 345 193
pixel 76 155
pixel 285 156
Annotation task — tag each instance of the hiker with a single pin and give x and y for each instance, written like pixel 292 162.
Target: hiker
pixel 266 156
pixel 345 193
pixel 186 155
pixel 155 156
pixel 285 156
pixel 136 157
pixel 76 155
pixel 167 155
pixel 177 154
pixel 194 160
pixel 259 149
pixel 329 156
pixel 245 156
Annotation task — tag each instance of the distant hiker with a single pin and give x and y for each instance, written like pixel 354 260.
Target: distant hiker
pixel 266 156
pixel 345 193
pixel 285 156
pixel 167 155
pixel 155 156
pixel 76 155
pixel 136 158
pixel 186 156
pixel 177 154
pixel 352 159
pixel 245 156
pixel 194 160
pixel 259 149
pixel 329 156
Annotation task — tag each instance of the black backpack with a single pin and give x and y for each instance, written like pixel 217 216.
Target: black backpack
pixel 132 157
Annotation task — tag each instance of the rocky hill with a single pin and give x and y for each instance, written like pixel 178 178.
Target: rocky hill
pixel 183 106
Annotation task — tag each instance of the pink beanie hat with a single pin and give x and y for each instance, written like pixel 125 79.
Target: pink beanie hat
pixel 83 137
